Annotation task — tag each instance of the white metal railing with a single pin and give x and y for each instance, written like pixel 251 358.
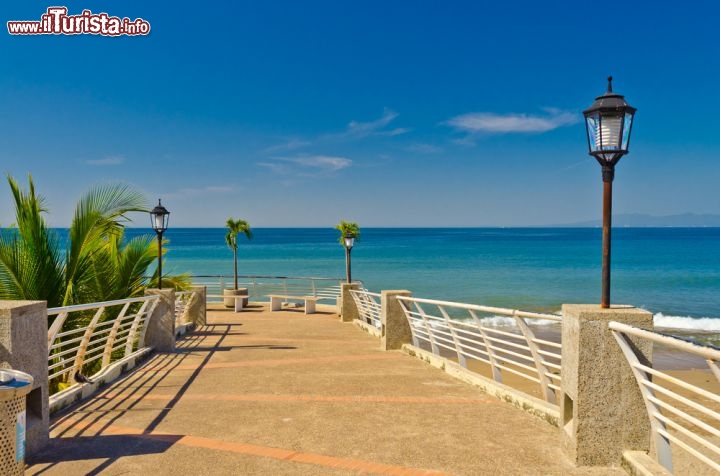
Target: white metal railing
pixel 84 339
pixel 183 300
pixel 470 332
pixel 260 286
pixel 368 306
pixel 680 412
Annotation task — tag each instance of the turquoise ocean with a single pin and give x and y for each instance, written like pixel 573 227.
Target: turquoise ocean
pixel 672 272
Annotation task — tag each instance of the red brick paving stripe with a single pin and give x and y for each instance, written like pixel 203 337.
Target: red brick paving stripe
pixel 306 398
pixel 253 363
pixel 265 451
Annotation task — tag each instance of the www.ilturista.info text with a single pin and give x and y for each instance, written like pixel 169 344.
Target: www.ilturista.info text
pixel 57 22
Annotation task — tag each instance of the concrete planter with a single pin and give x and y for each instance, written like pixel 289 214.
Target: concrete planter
pixel 235 292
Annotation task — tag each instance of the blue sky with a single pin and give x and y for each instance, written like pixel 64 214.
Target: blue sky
pixel 387 113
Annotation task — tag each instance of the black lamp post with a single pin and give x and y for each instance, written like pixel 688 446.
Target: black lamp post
pixel 349 241
pixel 608 122
pixel 159 217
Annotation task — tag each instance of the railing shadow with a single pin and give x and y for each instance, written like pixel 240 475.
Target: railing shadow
pixel 110 447
pixel 84 425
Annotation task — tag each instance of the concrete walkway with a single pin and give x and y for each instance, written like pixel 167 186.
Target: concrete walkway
pixel 260 393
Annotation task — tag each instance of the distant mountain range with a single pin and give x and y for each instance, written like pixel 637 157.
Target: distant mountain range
pixel 640 220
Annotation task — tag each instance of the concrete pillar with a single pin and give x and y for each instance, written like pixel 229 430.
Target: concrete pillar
pixel 395 326
pixel 198 307
pixel 348 309
pixel 602 410
pixel 160 332
pixel 24 347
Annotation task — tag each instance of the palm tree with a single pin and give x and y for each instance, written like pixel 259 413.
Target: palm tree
pixel 235 227
pixel 96 265
pixel 349 232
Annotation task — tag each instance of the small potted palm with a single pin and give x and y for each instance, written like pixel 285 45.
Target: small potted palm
pixel 349 232
pixel 235 228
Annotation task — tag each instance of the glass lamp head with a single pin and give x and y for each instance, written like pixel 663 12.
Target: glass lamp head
pixel 608 122
pixel 159 218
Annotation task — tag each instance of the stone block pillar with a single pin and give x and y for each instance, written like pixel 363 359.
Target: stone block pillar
pixel 198 307
pixel 602 410
pixel 160 332
pixel 24 347
pixel 348 309
pixel 395 326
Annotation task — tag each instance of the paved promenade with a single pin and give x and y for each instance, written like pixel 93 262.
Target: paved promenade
pixel 260 393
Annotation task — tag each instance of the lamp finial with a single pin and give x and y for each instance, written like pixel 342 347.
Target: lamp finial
pixel 610 84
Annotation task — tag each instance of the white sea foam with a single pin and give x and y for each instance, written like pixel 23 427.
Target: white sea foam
pixel 708 324
pixel 679 322
pixel 503 321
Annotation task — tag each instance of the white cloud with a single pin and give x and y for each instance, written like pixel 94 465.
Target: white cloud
pixel 109 160
pixel 358 130
pixel 395 132
pixel 489 122
pixel 307 164
pixel 355 130
pixel 367 128
pixel 322 162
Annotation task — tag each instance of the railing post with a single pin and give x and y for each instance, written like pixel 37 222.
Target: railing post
pixel 537 357
pixel 602 409
pixel 83 347
pixel 456 340
pixel 107 352
pixel 24 347
pixel 428 329
pixel 160 333
pixel 494 364
pixel 140 319
pixel 662 443
pixel 348 308
pixel 198 306
pixel 395 327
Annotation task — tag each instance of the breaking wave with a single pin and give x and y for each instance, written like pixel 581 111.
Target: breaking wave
pixel 692 323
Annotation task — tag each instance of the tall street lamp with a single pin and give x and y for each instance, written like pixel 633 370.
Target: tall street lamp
pixel 608 122
pixel 349 241
pixel 159 217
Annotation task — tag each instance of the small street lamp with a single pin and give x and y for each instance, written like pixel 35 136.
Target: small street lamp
pixel 608 122
pixel 349 241
pixel 159 217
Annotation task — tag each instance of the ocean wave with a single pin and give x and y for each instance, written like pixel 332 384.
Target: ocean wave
pixel 503 321
pixel 710 324
pixel 707 324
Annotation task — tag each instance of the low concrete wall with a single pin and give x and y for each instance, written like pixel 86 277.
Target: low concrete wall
pixel 81 391
pixel 527 403
pixel 372 330
pixel 638 463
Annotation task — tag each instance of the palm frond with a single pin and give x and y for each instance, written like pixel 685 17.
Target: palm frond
pixel 348 229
